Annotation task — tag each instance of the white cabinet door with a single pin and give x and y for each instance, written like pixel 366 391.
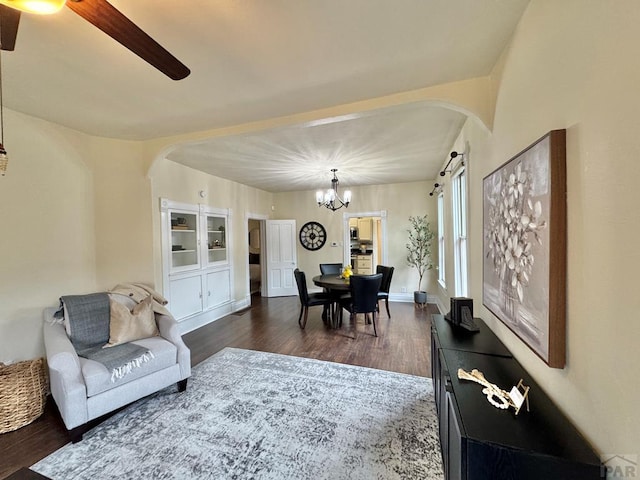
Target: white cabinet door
pixel 216 239
pixel 186 296
pixel 218 288
pixel 185 243
pixel 364 229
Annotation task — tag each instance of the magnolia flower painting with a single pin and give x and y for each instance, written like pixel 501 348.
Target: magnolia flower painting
pixel 517 242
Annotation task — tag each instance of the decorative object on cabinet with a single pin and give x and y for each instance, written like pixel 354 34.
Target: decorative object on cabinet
pixel 312 236
pixel 331 199
pixel 461 314
pixel 525 220
pixel 419 252
pixel 495 395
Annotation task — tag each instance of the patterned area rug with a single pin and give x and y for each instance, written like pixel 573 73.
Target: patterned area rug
pixel 256 415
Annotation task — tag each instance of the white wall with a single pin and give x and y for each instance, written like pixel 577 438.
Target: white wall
pixel 573 64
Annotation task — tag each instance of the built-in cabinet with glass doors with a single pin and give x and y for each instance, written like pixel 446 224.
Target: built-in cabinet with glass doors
pixel 196 260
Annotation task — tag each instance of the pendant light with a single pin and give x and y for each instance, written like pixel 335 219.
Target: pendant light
pixel 330 198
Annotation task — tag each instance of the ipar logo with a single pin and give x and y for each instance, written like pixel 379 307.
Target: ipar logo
pixel 620 466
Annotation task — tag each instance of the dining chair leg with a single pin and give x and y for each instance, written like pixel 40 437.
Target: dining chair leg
pixel 375 333
pixel 300 316
pixel 386 302
pixel 304 321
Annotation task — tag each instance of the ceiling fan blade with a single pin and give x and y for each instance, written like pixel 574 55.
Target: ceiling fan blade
pixel 9 20
pixel 108 19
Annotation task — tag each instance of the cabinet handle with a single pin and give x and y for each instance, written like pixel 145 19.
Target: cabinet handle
pixel 448 386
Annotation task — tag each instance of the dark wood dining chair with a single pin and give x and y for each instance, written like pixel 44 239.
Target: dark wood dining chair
pixel 330 268
pixel 385 286
pixel 308 299
pixel 362 297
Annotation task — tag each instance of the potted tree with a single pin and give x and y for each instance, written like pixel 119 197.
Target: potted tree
pixel 419 252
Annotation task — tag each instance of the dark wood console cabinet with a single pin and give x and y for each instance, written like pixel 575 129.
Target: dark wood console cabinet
pixel 482 442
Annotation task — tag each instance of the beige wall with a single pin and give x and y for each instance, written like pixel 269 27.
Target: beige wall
pixel 570 66
pixel 399 200
pixel 123 228
pixel 61 231
pixel 183 184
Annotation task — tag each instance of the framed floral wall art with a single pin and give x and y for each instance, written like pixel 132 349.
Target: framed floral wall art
pixel 524 268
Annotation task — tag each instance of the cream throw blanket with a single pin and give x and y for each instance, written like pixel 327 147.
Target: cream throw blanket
pixel 138 292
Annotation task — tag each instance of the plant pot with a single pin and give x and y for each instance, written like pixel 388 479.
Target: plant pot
pixel 420 297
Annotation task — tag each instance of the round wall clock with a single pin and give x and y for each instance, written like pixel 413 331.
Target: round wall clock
pixel 312 236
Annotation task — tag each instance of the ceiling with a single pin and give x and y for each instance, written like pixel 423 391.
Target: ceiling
pixel 253 60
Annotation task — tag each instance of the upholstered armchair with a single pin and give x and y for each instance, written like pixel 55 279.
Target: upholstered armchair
pixel 83 389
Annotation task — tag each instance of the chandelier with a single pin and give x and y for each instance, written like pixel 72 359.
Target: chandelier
pixel 330 198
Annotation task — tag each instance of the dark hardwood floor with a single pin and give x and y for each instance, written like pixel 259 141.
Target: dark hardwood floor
pixel 270 325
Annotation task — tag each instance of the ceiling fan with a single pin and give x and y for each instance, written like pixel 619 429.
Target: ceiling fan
pixel 101 14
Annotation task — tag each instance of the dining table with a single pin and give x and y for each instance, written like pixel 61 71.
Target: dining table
pixel 335 286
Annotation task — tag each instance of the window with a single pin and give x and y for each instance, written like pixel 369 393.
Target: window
pixel 459 193
pixel 441 242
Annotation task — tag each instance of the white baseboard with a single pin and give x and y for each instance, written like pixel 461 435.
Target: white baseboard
pixel 198 320
pixel 408 298
pixel 201 319
pixel 242 304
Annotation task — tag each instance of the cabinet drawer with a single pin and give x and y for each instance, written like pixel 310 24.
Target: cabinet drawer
pixel 364 262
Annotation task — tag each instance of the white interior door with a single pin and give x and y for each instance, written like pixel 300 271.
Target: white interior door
pixel 281 258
